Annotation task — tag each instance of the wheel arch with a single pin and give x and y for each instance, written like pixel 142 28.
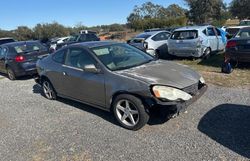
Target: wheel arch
pixel 113 97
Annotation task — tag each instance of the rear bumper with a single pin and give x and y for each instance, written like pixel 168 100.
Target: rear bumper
pixel 238 56
pixel 198 52
pixel 23 69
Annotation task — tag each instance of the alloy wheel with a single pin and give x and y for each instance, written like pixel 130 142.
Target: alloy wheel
pixel 47 89
pixel 127 112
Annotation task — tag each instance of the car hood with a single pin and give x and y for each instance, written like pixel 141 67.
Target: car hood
pixel 163 73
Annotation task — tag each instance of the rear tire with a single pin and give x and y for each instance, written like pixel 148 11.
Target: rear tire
pixel 11 74
pixel 130 112
pixel 207 53
pixel 48 90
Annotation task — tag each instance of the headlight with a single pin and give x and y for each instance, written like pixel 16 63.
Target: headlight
pixel 202 80
pixel 171 94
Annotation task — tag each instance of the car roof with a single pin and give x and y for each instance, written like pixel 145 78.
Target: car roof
pixel 193 28
pixel 245 29
pixel 93 44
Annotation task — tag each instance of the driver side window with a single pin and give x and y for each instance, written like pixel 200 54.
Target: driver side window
pixel 78 58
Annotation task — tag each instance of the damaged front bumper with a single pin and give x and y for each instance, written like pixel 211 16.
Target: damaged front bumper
pixel 178 106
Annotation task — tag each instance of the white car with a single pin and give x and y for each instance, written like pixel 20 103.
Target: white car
pixel 154 43
pixel 195 41
pixel 54 43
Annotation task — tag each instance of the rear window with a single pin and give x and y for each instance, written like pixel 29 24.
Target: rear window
pixel 185 35
pixel 4 41
pixel 28 47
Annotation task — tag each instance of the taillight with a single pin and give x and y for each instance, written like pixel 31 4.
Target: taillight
pixel 19 58
pixel 231 44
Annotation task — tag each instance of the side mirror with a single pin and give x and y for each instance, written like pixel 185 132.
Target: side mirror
pixel 91 68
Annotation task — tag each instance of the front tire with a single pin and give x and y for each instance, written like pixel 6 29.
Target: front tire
pixel 48 90
pixel 130 112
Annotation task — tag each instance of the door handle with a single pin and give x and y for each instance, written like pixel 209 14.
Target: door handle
pixel 65 74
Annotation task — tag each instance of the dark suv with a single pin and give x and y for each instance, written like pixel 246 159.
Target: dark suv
pixel 82 37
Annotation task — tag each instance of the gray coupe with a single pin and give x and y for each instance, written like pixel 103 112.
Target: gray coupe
pixel 118 78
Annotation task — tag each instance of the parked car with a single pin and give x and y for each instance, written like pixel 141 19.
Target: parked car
pixel 54 43
pixel 154 42
pixel 233 30
pixel 6 40
pixel 195 41
pixel 238 48
pixel 84 36
pixel 119 78
pixel 19 58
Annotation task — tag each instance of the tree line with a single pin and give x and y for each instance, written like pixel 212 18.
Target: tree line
pixel 148 15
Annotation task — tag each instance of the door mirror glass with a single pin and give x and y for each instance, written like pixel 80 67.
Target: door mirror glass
pixel 91 68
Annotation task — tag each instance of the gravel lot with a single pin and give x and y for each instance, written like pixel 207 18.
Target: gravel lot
pixel 216 127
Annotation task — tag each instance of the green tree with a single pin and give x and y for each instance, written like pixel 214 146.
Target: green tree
pixel 240 8
pixel 203 11
pixel 23 33
pixel 150 15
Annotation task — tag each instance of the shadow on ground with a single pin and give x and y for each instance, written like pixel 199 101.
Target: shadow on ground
pixel 157 116
pixel 229 125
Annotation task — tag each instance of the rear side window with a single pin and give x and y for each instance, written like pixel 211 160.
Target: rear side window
pixel 91 37
pixel 161 36
pixel 210 31
pixel 88 37
pixel 59 56
pixel 205 32
pixel 185 35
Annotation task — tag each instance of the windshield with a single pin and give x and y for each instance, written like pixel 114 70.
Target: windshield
pixel 121 56
pixel 28 47
pixel 243 34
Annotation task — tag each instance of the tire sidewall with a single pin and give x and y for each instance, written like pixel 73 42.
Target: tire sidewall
pixel 207 53
pixel 143 115
pixel 9 70
pixel 52 88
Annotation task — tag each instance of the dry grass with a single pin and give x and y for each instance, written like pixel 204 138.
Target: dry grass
pixel 211 71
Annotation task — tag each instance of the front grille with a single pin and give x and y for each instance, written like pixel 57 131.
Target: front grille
pixel 193 89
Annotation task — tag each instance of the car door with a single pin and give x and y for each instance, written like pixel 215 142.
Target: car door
pixel 221 44
pixel 212 38
pixel 79 84
pixel 159 40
